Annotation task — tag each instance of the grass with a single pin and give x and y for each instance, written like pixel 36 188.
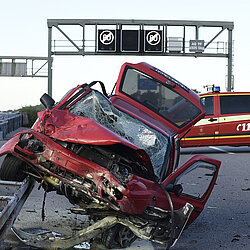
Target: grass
pixel 31 112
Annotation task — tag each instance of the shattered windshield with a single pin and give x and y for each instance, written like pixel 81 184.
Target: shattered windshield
pixel 95 106
pixel 159 98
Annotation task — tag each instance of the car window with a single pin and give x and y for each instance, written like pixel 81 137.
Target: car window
pixel 235 104
pixel 208 104
pixel 196 179
pixel 159 98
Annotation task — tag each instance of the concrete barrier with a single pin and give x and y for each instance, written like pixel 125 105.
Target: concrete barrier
pixel 9 122
pixel 4 128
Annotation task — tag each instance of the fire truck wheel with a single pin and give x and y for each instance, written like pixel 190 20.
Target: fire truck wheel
pixel 12 169
pixel 118 236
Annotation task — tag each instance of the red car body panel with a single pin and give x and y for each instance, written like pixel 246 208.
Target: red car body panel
pixel 63 125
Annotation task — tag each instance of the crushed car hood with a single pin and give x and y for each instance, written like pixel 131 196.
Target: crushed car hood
pixel 65 126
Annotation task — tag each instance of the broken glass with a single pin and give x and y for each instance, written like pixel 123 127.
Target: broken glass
pixel 95 106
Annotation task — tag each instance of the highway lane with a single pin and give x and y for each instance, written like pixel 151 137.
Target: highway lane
pixel 224 223
pixel 215 149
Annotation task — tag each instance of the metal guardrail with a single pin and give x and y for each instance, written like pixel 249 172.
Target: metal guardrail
pixel 9 122
pixel 12 197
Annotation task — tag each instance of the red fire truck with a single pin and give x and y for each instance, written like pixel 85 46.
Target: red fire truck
pixel 227 120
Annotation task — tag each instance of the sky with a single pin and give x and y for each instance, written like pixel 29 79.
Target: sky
pixel 24 32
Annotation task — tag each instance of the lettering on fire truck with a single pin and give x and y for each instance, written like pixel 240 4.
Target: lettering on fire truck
pixel 243 127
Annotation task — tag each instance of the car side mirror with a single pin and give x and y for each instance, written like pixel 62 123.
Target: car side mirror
pixel 175 188
pixel 47 101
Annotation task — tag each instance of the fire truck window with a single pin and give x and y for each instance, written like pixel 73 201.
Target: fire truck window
pixel 208 104
pixel 231 104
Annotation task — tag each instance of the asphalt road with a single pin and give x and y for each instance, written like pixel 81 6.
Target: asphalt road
pixel 224 223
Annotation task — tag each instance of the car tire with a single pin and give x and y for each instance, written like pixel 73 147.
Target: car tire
pixel 12 169
pixel 118 236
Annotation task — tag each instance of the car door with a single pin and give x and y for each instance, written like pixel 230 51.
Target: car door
pixel 167 101
pixel 197 178
pixel 205 131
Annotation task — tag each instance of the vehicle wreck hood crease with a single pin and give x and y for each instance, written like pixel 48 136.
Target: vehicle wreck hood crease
pixel 65 126
pixel 72 128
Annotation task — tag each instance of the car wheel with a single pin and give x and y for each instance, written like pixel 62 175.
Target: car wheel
pixel 126 237
pixel 12 169
pixel 118 236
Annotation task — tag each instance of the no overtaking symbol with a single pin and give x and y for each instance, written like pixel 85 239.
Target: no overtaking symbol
pixel 153 38
pixel 106 37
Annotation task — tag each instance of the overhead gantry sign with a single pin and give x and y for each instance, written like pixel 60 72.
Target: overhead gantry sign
pixel 138 37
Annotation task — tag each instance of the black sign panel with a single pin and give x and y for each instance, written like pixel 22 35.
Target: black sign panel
pixel 153 41
pixel 107 40
pixel 130 41
pixel 196 46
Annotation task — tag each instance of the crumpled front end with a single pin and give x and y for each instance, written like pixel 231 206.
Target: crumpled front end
pixel 107 181
pixel 86 173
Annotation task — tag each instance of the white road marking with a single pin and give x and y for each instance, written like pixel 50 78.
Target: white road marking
pixel 222 150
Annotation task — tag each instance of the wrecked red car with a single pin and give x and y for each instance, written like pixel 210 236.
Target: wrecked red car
pixel 116 157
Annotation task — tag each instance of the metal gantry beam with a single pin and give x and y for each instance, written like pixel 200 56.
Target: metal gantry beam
pixel 23 66
pixel 230 86
pixel 50 60
pixel 87 43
